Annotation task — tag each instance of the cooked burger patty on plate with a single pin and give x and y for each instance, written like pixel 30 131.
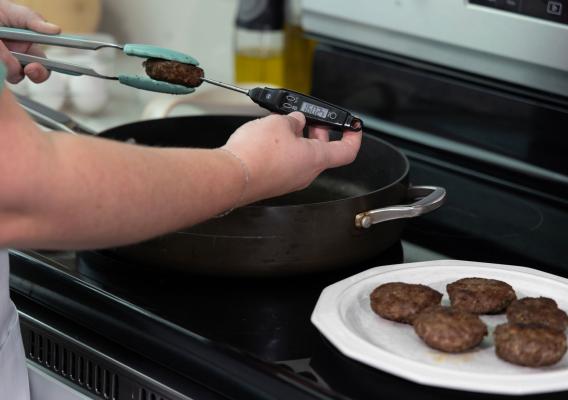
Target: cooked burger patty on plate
pixel 449 329
pixel 537 311
pixel 401 302
pixel 529 345
pixel 480 295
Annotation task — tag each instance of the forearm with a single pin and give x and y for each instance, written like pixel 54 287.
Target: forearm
pixel 79 192
pixel 63 191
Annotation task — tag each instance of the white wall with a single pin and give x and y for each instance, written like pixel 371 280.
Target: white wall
pixel 202 28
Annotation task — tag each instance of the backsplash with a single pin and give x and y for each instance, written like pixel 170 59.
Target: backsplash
pixel 202 28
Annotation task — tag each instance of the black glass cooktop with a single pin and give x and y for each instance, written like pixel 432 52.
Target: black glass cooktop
pixel 249 322
pixel 263 316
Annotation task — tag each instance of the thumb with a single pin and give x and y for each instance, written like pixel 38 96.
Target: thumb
pixel 297 122
pixel 36 23
pixel 22 17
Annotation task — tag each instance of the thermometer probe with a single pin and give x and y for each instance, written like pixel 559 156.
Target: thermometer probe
pixel 284 101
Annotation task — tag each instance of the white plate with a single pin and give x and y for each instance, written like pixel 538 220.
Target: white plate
pixel 344 316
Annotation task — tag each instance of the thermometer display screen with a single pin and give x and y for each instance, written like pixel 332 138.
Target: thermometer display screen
pixel 314 110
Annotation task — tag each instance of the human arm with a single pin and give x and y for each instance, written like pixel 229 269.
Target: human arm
pixel 63 191
pixel 18 16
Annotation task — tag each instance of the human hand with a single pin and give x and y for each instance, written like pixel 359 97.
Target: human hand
pixel 281 160
pixel 17 16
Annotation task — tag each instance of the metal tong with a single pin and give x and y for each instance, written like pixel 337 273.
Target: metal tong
pixel 78 42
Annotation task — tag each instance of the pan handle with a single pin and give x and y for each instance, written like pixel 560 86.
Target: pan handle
pixel 51 118
pixel 429 198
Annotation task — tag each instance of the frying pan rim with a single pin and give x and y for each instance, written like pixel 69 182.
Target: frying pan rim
pixel 397 181
pixel 253 206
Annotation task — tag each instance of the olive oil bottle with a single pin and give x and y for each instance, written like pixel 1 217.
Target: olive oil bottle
pixel 298 50
pixel 259 42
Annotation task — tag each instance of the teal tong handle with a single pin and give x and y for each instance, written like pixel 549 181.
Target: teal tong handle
pixel 149 51
pixel 52 65
pixel 138 50
pixel 78 42
pixel 136 81
pixel 145 83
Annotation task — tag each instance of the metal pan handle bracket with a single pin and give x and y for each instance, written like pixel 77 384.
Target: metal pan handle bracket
pixel 429 198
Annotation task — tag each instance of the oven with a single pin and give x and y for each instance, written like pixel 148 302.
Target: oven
pixel 473 92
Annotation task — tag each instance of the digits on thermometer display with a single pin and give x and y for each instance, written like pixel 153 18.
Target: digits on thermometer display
pixel 317 111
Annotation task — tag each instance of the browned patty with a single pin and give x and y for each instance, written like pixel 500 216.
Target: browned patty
pixel 480 295
pixel 448 329
pixel 174 72
pixel 529 345
pixel 537 311
pixel 401 302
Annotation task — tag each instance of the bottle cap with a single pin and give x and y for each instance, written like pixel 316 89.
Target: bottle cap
pixel 267 15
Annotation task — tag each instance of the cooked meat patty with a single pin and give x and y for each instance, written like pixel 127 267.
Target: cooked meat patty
pixel 480 295
pixel 449 329
pixel 174 72
pixel 529 345
pixel 401 302
pixel 537 311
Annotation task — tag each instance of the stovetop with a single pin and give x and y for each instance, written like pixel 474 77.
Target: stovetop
pixel 252 338
pixel 247 321
pixel 266 317
pixel 259 326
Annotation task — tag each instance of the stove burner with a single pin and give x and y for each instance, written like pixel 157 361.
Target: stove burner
pixel 267 317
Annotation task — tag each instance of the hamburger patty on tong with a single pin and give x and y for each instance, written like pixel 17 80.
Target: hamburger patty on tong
pixel 188 75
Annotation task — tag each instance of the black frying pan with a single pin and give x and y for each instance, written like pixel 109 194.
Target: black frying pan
pixel 348 215
pixel 307 231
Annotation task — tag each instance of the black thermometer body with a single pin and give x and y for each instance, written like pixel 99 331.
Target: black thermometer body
pixel 317 112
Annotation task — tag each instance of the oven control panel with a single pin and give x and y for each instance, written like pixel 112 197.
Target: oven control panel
pixel 518 41
pixel 551 10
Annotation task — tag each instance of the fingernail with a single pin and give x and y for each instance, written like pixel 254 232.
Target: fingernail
pixel 50 26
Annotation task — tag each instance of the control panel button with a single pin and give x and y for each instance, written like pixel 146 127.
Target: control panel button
pixel 511 5
pixel 551 10
pixel 554 8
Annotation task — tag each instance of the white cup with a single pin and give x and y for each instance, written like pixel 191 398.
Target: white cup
pixel 87 94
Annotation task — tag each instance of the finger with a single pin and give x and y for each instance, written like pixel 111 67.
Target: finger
pixel 320 133
pixel 297 122
pixel 35 71
pixel 19 47
pixel 36 23
pixel 22 17
pixel 353 138
pixel 14 69
pixel 344 151
pixel 36 50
